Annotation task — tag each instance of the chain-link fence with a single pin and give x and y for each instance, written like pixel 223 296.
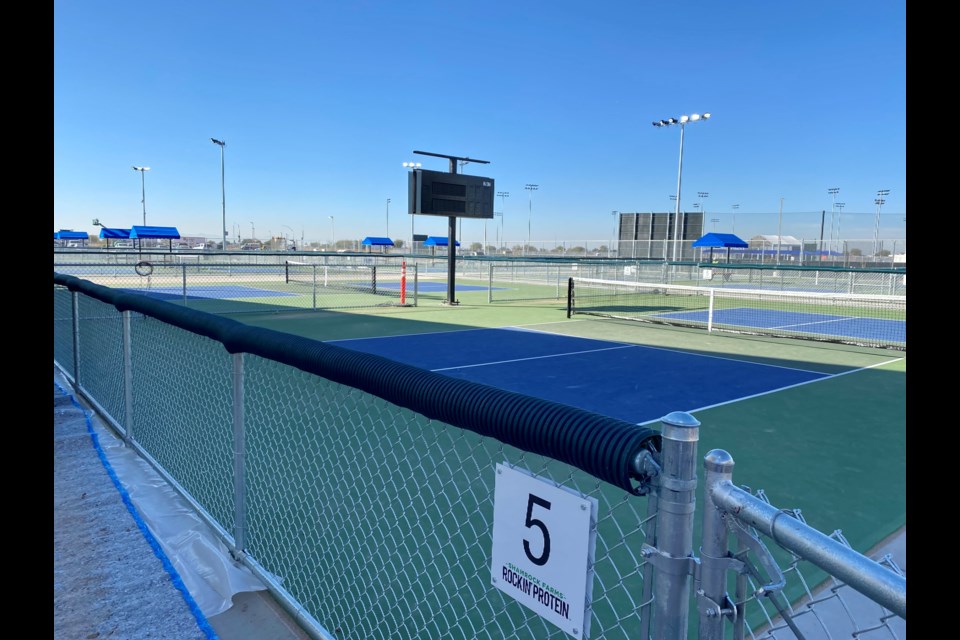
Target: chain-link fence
pixel 237 287
pixel 361 490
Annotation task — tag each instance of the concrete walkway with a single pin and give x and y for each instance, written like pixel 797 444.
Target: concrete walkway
pixel 112 578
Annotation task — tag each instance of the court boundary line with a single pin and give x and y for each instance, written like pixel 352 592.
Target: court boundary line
pixel 552 355
pixel 674 350
pixel 830 376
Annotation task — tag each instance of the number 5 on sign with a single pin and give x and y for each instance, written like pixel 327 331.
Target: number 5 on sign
pixel 544 538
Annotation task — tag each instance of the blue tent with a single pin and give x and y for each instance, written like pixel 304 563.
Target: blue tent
pixel 439 241
pixel 372 241
pixel 156 233
pixel 109 234
pixel 722 240
pixel 160 233
pixel 114 234
pixel 66 234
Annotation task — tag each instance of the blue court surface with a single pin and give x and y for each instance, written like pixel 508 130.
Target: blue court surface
pixel 635 383
pixel 875 329
pixel 221 292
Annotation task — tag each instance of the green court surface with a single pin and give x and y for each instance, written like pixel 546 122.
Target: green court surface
pixel 835 449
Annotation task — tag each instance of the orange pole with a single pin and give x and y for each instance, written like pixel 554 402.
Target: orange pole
pixel 403 282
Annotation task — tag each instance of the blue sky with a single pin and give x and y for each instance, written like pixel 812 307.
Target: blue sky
pixel 320 103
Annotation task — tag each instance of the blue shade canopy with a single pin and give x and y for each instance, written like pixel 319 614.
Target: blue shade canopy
pixel 162 233
pixel 66 234
pixel 721 240
pixel 377 242
pixel 439 241
pixel 106 232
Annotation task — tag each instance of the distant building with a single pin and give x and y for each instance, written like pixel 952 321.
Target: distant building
pixel 785 243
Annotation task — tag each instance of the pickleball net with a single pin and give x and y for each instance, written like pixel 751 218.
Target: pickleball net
pixel 386 283
pixel 866 320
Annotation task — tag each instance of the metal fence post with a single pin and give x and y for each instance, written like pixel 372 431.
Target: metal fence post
pixel 676 502
pixel 127 380
pixel 712 602
pixel 239 458
pixel 490 282
pixel 76 337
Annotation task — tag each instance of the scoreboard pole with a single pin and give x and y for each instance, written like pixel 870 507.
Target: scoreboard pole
pixel 452 250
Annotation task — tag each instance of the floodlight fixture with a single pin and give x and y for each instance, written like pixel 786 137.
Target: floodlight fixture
pixel 684 119
pixel 223 196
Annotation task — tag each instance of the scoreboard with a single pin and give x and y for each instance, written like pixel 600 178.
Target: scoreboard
pixel 436 193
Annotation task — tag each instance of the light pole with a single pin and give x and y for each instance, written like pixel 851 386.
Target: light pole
pixel 223 193
pixel 333 235
pixel 833 191
pixel 253 231
pixel 694 117
pixel 714 221
pixel 531 188
pixel 839 207
pixel 733 229
pixel 236 229
pixel 388 217
pixel 876 232
pixel 412 166
pixel 503 195
pixel 143 191
pixel 701 195
pixel 666 232
pixel 779 230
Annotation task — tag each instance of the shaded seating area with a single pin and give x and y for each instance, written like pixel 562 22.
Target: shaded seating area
pixel 141 233
pixel 69 238
pixel 438 241
pixel 120 237
pixel 720 241
pixel 375 241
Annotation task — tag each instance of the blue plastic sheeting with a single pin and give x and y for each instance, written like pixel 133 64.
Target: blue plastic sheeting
pixel 722 240
pixel 439 241
pixel 106 232
pixel 377 242
pixel 66 234
pixel 154 232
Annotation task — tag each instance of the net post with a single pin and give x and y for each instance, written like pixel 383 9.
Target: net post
pixel 569 297
pixel 403 282
pixel 286 271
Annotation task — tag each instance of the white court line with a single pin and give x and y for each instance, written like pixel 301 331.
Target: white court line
pixel 505 327
pixel 807 324
pixel 621 345
pixel 405 335
pixel 792 386
pixel 699 355
pixel 552 355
